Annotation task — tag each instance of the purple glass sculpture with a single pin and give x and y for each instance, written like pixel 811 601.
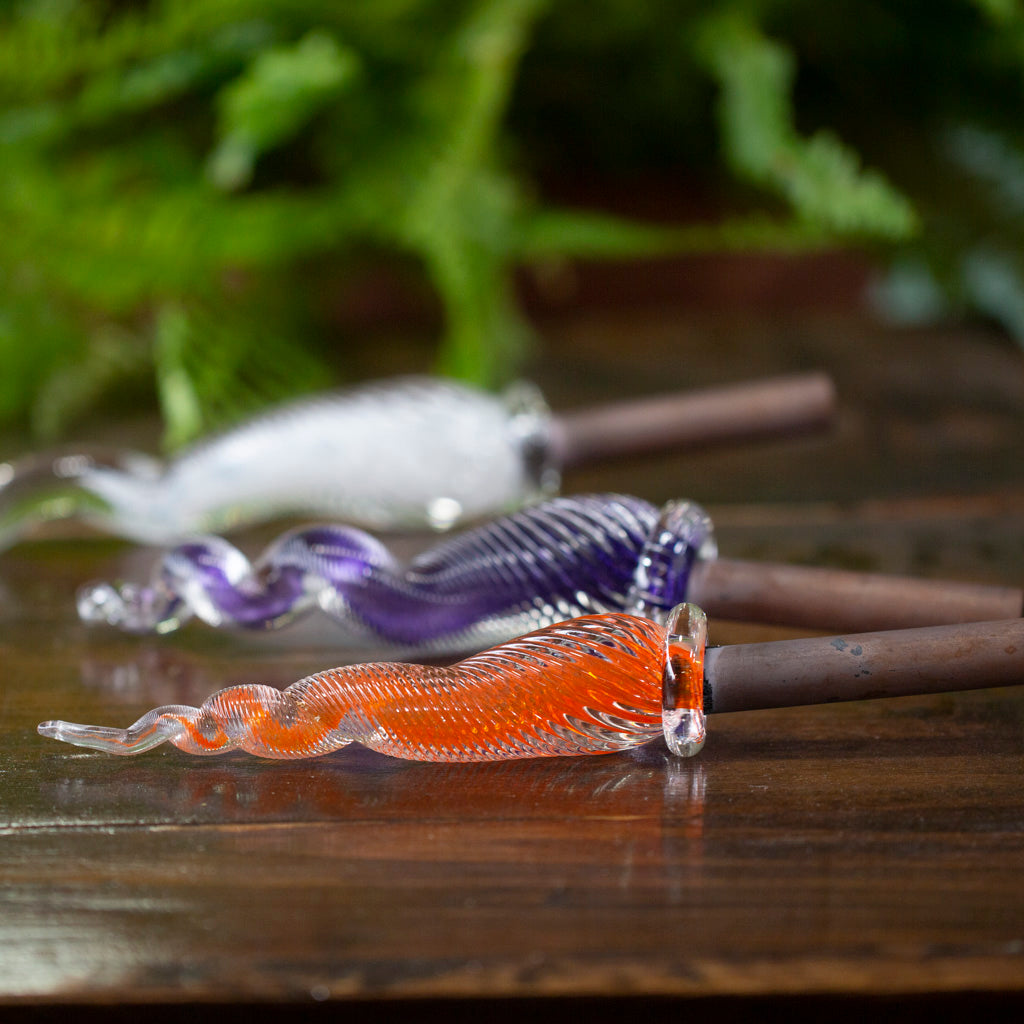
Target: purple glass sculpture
pixel 564 558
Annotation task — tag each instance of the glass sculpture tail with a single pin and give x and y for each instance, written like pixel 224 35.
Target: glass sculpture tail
pixel 59 485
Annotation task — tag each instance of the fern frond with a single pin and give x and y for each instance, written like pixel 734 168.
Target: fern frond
pixel 819 177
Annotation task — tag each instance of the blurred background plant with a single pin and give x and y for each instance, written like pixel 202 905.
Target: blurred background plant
pixel 183 183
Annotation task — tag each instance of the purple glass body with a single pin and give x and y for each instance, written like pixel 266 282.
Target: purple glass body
pixel 556 560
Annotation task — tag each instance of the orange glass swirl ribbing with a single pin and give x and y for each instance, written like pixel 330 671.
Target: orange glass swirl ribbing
pixel 587 686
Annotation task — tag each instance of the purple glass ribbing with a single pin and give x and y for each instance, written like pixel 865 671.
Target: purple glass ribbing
pixel 554 561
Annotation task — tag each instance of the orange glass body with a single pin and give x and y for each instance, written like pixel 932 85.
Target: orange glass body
pixel 589 685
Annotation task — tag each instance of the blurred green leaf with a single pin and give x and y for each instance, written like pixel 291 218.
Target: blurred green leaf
pixel 179 400
pixel 1002 12
pixel 576 233
pixel 110 357
pixel 181 181
pixel 213 369
pixel 818 176
pixel 273 99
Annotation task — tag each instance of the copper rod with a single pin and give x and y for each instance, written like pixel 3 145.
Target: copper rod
pixel 836 599
pixel 737 412
pixel 863 666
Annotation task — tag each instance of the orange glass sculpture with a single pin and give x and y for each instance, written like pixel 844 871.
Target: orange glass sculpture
pixel 589 685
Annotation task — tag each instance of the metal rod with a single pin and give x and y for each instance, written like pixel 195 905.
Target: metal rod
pixel 863 666
pixel 738 412
pixel 835 599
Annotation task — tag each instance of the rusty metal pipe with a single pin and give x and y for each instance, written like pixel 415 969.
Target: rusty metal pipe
pixel 863 666
pixel 738 412
pixel 835 599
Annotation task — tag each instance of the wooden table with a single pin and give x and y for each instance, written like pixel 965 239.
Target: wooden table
pixel 827 861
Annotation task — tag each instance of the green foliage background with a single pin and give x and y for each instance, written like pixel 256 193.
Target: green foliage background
pixel 181 180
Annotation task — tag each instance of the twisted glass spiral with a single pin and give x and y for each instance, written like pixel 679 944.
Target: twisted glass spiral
pixel 566 557
pixel 587 686
pixel 399 454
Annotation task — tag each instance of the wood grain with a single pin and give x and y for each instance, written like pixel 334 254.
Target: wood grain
pixel 811 862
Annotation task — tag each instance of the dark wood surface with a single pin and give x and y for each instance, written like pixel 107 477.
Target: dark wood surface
pixel 856 858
